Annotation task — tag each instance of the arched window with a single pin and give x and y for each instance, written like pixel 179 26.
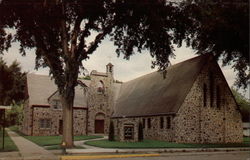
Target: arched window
pixel 204 95
pixel 100 87
pixel 218 97
pixel 211 86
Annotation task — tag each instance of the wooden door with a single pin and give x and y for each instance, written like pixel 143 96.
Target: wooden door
pixel 99 126
pixel 60 129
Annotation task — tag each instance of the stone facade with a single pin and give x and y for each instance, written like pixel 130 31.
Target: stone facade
pixel 54 119
pixel 97 107
pixel 200 119
pixel 208 112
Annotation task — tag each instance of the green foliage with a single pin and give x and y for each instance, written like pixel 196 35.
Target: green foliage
pixel 159 144
pixel 87 78
pixel 140 132
pixel 60 32
pixel 111 131
pixel 12 83
pixel 222 29
pixel 15 115
pixel 244 105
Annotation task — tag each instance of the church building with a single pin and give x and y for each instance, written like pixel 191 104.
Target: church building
pixel 189 102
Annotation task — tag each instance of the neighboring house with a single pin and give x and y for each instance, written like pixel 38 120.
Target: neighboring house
pixel 192 103
pixel 246 129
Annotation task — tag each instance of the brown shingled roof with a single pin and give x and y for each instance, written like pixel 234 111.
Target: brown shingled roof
pixel 153 95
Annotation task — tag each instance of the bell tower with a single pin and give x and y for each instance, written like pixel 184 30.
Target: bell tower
pixel 109 69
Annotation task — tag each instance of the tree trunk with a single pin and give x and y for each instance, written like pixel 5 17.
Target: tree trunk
pixel 67 105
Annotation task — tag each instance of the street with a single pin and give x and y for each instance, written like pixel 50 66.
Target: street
pixel 195 156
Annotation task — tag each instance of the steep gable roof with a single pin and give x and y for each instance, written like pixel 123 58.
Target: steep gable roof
pixel 41 87
pixel 154 95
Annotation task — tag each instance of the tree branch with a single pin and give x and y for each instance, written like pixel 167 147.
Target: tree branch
pixel 98 39
pixel 75 35
pixel 64 33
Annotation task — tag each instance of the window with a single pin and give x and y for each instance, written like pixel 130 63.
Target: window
pixel 128 131
pixel 149 123
pixel 204 95
pixel 100 87
pixel 143 123
pixel 45 123
pixel 56 104
pixel 168 122
pixel 211 80
pixel 218 96
pixel 161 122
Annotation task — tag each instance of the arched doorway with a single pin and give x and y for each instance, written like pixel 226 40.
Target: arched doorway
pixel 99 123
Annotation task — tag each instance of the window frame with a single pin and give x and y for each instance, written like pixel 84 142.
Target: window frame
pixel 168 125
pixel 161 122
pixel 128 131
pixel 44 123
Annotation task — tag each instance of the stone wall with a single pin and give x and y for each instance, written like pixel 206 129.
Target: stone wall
pixel 196 123
pixel 26 124
pixel 155 132
pixel 55 116
pixel 216 121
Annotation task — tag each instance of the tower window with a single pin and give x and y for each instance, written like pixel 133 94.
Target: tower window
pixel 100 87
pixel 204 95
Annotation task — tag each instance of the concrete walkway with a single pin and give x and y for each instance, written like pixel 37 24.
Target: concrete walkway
pixel 30 150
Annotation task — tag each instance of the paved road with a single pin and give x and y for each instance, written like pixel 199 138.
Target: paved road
pixel 196 156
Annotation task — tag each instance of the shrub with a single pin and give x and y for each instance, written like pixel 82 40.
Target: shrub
pixel 140 132
pixel 111 131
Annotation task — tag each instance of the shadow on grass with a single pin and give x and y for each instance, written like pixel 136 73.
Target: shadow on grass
pixel 159 144
pixel 9 145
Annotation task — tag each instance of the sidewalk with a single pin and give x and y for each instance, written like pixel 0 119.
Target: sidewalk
pixel 30 150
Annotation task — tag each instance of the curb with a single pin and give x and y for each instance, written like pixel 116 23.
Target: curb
pixel 146 151
pixel 107 156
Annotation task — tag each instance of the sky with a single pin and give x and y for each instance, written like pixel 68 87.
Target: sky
pixel 124 70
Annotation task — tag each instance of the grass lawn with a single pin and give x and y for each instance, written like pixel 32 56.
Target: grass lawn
pixel 9 145
pixel 158 144
pixel 50 140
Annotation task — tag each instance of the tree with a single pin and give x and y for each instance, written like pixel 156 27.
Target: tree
pixel 111 131
pixel 58 30
pixel 12 83
pixel 220 28
pixel 15 115
pixel 140 132
pixel 243 103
